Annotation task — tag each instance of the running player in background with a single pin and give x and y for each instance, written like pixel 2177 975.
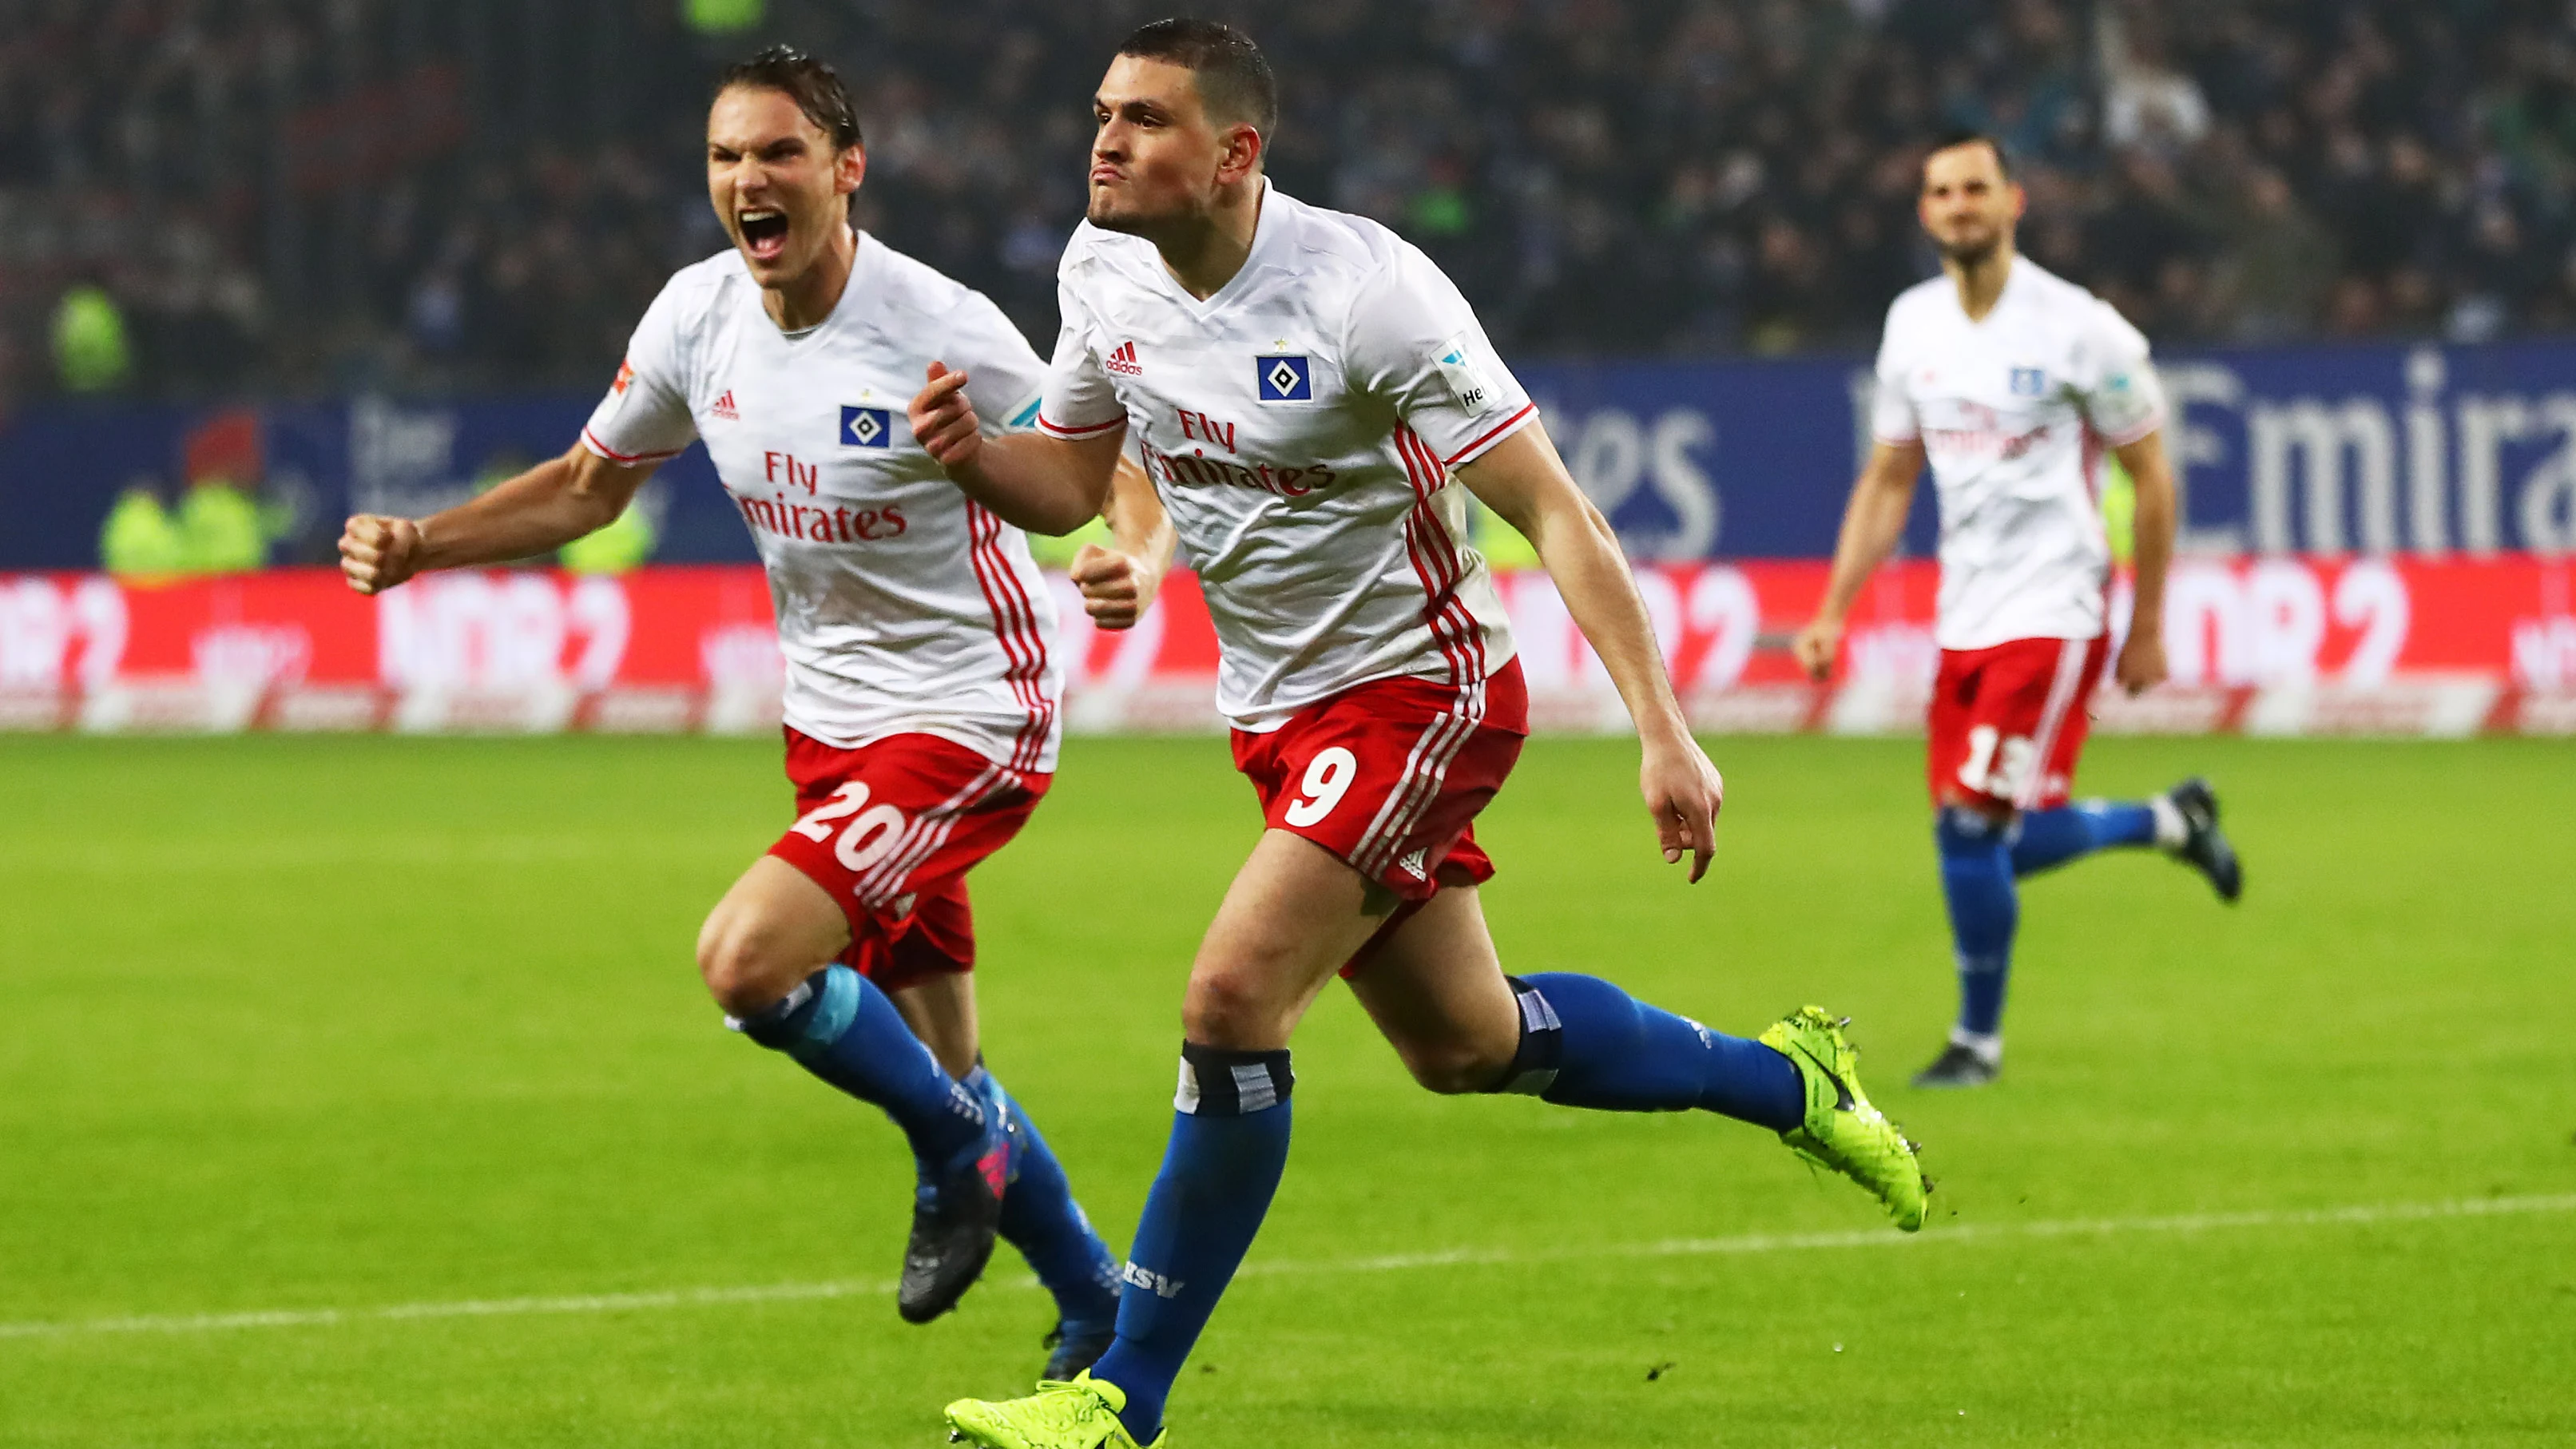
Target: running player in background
pixel 1301 385
pixel 2011 382
pixel 922 682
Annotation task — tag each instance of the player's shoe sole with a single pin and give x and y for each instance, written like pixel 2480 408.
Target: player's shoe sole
pixel 956 1215
pixel 1957 1066
pixel 1081 1413
pixel 2205 848
pixel 1842 1132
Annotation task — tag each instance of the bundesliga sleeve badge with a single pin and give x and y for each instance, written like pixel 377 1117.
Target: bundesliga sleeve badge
pixel 864 427
pixel 1467 382
pixel 1283 378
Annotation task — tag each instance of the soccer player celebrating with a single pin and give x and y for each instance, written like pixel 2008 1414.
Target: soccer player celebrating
pixel 2011 381
pixel 1304 388
pixel 922 684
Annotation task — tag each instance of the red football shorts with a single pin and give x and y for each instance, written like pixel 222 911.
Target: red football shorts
pixel 890 830
pixel 2008 722
pixel 1389 776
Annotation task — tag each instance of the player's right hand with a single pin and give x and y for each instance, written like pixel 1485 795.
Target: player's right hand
pixel 377 552
pixel 1116 587
pixel 1816 646
pixel 944 421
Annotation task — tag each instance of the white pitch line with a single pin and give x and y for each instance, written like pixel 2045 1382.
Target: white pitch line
pixel 2356 1215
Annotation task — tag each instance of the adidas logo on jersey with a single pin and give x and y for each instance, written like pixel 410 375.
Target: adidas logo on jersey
pixel 1124 360
pixel 724 407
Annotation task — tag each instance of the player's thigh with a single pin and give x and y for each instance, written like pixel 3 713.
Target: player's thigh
pixel 1435 988
pixel 1294 913
pixel 774 928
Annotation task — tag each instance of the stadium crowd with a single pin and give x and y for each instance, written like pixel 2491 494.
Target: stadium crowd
pixel 197 195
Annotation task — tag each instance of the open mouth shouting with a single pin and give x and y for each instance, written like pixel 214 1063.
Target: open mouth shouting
pixel 764 232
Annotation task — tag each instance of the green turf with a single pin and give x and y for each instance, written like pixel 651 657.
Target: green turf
pixel 297 1024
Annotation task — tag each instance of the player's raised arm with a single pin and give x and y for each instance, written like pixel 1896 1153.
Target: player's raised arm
pixel 1118 583
pixel 1873 521
pixel 537 512
pixel 2142 659
pixel 1043 484
pixel 1524 480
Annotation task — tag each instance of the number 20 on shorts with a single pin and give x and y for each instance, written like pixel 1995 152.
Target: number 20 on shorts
pixel 866 839
pixel 1328 779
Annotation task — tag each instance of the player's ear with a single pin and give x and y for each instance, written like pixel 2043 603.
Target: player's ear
pixel 1240 153
pixel 849 169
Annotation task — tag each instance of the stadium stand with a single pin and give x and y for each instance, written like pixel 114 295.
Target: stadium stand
pixel 330 194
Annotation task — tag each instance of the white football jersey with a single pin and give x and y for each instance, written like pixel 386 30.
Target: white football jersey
pixel 1300 426
pixel 2014 413
pixel 902 607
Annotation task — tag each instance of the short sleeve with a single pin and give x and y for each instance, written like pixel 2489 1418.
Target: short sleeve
pixel 1005 379
pixel 2117 387
pixel 645 417
pixel 1891 407
pixel 1078 401
pixel 1413 342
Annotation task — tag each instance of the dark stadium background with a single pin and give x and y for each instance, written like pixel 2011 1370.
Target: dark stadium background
pixel 432 194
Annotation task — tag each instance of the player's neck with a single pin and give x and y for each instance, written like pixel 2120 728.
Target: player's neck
pixel 1204 253
pixel 809 297
pixel 1980 280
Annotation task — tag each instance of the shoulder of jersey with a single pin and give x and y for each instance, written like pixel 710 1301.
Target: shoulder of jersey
pixel 915 286
pixel 1315 234
pixel 695 287
pixel 2052 288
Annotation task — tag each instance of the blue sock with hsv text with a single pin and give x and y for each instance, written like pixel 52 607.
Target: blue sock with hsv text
pixel 1229 1146
pixel 2046 839
pixel 1586 1043
pixel 1041 1219
pixel 840 1027
pixel 1977 881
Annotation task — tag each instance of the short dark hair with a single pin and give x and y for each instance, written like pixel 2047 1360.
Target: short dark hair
pixel 1234 79
pixel 1969 136
pixel 811 83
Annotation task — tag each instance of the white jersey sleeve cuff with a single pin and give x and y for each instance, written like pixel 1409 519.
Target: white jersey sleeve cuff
pixel 2123 439
pixel 1486 442
pixel 591 441
pixel 1054 429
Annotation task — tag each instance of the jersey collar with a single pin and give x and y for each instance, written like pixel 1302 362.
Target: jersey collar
pixel 1268 224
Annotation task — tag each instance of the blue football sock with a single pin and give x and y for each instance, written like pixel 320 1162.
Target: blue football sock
pixel 2045 839
pixel 1229 1145
pixel 1586 1043
pixel 1977 881
pixel 1041 1219
pixel 840 1027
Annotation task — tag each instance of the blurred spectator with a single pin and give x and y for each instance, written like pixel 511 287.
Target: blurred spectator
pixel 140 540
pixel 90 350
pixel 317 194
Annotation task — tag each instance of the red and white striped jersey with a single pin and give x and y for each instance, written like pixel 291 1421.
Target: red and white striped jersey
pixel 903 607
pixel 2013 412
pixel 1300 426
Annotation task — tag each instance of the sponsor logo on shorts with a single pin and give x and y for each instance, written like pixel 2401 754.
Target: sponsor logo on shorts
pixel 1412 865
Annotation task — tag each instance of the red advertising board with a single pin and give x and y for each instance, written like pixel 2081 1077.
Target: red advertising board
pixel 2287 645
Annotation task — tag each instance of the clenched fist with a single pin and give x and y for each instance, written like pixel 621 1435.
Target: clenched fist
pixel 1116 588
pixel 377 552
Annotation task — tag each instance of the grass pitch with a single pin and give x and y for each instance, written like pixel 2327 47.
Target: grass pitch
pixel 359 1092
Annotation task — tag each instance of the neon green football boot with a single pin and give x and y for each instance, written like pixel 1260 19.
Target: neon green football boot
pixel 1081 1414
pixel 1843 1132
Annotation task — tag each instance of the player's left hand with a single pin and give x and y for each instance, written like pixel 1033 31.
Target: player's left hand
pixel 1116 587
pixel 1683 792
pixel 2142 661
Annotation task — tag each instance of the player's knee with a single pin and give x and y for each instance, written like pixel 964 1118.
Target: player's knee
pixel 1228 1009
pixel 1454 1067
pixel 742 964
